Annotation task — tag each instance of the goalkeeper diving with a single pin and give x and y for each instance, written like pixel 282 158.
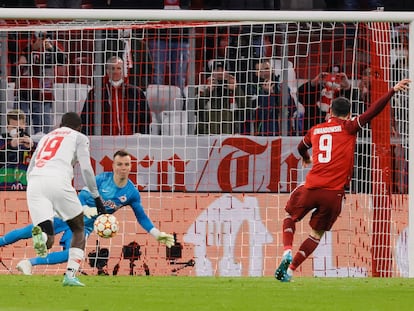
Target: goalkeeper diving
pixel 116 191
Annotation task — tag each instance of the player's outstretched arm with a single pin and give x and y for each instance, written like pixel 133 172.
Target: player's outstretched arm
pixel 381 102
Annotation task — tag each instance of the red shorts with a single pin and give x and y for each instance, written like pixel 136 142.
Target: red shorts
pixel 325 205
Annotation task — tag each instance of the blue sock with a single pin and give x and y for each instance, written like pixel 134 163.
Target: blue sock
pixel 51 258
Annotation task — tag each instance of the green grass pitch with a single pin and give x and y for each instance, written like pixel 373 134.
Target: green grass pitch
pixel 177 293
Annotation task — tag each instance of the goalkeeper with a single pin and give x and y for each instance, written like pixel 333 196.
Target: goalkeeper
pixel 116 191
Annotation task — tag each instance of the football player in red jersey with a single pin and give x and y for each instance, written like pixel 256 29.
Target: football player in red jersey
pixel 333 143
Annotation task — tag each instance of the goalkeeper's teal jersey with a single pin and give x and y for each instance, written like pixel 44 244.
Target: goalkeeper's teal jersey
pixel 114 198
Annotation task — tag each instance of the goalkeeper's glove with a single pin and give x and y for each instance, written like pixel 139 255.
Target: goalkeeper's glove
pixel 90 211
pixel 99 206
pixel 162 237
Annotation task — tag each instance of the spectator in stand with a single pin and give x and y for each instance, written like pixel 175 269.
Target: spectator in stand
pixel 124 108
pixel 269 112
pixel 36 71
pixel 221 103
pixel 316 94
pixel 16 148
pixel 65 4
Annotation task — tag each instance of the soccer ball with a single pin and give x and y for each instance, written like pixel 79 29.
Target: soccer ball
pixel 106 226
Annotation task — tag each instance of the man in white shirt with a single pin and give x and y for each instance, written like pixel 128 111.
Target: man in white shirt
pixel 50 191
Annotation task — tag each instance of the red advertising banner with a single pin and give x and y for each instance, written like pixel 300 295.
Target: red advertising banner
pixel 205 163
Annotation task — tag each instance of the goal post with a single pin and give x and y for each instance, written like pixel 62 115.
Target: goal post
pixel 411 167
pixel 216 160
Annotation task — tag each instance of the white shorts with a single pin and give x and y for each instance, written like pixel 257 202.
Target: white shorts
pixel 51 196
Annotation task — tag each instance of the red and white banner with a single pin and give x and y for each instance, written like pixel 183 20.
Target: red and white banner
pixel 205 163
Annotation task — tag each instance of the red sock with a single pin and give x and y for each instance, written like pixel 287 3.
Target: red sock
pixel 288 232
pixel 305 250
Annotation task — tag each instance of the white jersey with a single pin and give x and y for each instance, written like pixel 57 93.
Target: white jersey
pixel 57 153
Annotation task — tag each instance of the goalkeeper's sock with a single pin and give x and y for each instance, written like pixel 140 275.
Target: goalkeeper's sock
pixel 51 258
pixel 75 258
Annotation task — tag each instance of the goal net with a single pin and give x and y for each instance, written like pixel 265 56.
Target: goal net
pixel 211 112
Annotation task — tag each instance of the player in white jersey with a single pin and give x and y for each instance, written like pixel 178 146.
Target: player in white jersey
pixel 50 191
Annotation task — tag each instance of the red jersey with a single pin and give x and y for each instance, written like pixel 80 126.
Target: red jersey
pixel 333 145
